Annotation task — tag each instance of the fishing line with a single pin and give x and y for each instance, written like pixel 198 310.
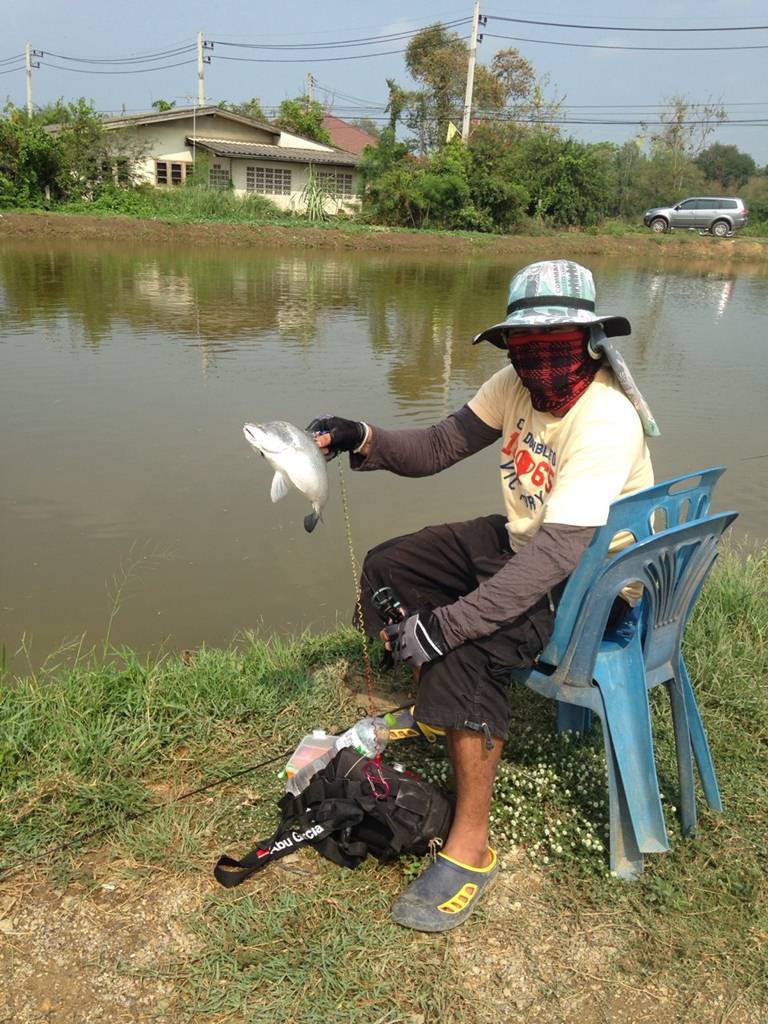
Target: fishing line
pixel 14 866
pixel 359 616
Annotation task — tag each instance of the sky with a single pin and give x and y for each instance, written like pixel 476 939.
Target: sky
pixel 600 84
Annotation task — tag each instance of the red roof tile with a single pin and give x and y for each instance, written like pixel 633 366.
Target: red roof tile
pixel 347 136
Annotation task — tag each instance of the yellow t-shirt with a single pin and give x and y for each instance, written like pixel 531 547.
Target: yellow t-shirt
pixel 564 469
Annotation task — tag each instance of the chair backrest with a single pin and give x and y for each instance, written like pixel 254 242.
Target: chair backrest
pixel 672 566
pixel 679 500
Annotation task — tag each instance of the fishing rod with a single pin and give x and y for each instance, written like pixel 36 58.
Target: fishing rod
pixel 6 870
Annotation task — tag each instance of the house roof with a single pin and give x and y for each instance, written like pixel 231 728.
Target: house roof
pixel 180 113
pixel 236 148
pixel 347 136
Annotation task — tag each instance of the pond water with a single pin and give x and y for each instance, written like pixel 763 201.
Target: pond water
pixel 128 494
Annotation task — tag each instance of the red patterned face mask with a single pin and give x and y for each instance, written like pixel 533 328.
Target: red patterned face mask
pixel 554 366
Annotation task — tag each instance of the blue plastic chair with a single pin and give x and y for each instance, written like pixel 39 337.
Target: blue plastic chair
pixel 679 500
pixel 610 676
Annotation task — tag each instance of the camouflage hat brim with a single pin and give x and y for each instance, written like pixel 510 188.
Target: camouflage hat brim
pixel 614 326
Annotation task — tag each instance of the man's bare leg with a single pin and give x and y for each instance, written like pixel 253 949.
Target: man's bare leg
pixel 475 770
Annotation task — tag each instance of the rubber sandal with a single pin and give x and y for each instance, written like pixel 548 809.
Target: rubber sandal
pixel 444 896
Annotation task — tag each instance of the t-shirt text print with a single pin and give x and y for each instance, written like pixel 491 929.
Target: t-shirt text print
pixel 563 469
pixel 530 463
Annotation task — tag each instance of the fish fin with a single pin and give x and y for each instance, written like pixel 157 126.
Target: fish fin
pixel 311 521
pixel 279 486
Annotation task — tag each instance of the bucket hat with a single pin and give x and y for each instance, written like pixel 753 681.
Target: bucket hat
pixel 551 294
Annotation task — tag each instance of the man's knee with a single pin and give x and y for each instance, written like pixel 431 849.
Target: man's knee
pixel 375 566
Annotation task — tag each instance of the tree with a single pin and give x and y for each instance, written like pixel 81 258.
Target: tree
pixel 683 135
pixel 163 106
pixel 726 165
pixel 437 60
pixel 397 102
pixel 514 74
pixel 368 125
pixel 248 108
pixel 73 159
pixel 303 116
pixel 569 182
pixel 30 162
pixel 495 178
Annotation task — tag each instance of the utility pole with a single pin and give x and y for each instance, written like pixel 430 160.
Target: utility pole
pixel 202 60
pixel 29 53
pixel 310 83
pixel 476 19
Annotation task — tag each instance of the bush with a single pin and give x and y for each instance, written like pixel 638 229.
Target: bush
pixel 189 203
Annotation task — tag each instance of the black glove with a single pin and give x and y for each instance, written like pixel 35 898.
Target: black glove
pixel 346 435
pixel 417 639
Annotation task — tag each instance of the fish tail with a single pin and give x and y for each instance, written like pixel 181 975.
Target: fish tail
pixel 311 521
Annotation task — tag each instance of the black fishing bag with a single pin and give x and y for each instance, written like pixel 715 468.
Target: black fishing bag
pixel 346 812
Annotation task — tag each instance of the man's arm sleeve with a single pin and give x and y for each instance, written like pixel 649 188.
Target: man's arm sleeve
pixel 544 562
pixel 425 452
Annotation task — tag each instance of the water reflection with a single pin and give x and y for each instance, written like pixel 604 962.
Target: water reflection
pixel 127 372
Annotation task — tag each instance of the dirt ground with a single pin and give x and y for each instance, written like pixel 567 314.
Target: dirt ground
pixel 104 954
pixel 566 244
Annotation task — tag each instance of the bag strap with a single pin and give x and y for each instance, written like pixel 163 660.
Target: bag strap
pixel 288 838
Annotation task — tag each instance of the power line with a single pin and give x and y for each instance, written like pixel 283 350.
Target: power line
pixel 362 41
pixel 303 60
pixel 608 46
pixel 626 28
pixel 352 28
pixel 11 70
pixel 348 96
pixel 756 122
pixel 145 59
pixel 9 60
pixel 122 71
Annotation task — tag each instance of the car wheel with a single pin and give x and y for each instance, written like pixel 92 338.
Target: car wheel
pixel 720 228
pixel 659 225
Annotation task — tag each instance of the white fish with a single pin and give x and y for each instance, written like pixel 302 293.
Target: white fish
pixel 296 460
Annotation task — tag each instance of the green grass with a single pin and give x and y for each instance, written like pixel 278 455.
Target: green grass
pixel 88 745
pixel 78 744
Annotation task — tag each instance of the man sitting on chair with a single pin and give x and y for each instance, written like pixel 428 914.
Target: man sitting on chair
pixel 478 593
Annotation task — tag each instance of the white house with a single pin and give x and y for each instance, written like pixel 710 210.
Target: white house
pixel 248 155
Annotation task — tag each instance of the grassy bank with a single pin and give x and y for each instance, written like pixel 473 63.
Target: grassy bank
pixel 90 745
pixel 236 224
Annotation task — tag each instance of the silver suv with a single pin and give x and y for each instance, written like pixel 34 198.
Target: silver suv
pixel 720 215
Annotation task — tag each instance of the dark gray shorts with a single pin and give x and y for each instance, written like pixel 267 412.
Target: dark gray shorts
pixel 469 687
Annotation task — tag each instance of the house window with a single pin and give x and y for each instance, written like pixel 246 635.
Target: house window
pixel 268 181
pixel 219 176
pixel 336 183
pixel 167 173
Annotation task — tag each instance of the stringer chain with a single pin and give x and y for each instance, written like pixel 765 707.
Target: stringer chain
pixel 359 605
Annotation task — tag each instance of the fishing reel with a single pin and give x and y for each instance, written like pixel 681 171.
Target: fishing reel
pixel 387 605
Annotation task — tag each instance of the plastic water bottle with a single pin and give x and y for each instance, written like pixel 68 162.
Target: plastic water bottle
pixel 314 752
pixel 368 737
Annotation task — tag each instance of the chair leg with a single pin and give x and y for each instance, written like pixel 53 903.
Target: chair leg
pixel 704 761
pixel 687 797
pixel 571 718
pixel 621 681
pixel 626 858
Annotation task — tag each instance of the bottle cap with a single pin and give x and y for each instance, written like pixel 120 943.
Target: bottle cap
pixel 318 734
